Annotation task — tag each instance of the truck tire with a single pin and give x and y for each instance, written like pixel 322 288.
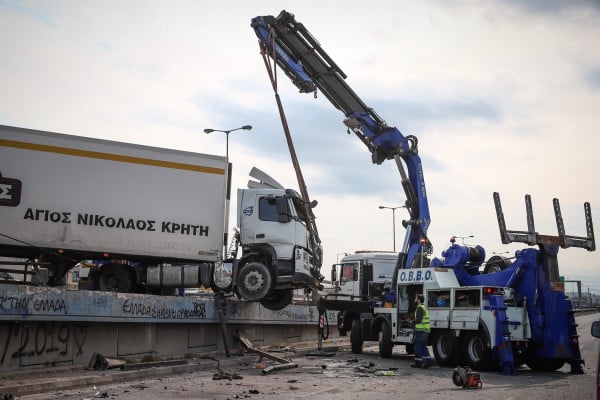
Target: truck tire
pixel 545 365
pixel 115 278
pixel 446 348
pixel 356 337
pixel 385 341
pixel 476 353
pixel 496 264
pixel 278 300
pixel 254 281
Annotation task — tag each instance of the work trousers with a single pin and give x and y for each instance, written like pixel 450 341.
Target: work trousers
pixel 421 350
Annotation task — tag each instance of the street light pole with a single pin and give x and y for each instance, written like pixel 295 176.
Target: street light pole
pixel 226 214
pixel 453 238
pixel 393 221
pixel 209 130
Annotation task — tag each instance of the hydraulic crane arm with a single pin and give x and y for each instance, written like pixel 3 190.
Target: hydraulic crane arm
pixel 310 68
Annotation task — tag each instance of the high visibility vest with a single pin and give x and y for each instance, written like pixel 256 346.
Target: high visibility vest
pixel 424 324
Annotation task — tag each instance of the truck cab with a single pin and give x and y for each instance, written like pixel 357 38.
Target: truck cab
pixel 268 217
pixel 363 271
pixel 357 279
pixel 279 254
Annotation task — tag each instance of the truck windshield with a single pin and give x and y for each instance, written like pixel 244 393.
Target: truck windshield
pixel 300 210
pixel 347 274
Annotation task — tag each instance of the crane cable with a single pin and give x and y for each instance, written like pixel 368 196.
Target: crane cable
pixel 272 71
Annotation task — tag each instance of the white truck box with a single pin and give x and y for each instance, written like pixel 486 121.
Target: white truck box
pixel 68 192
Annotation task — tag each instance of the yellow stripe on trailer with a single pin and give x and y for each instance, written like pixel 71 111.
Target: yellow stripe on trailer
pixel 110 157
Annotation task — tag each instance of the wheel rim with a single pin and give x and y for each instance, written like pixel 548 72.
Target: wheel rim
pixel 475 349
pixel 443 346
pixel 111 283
pixel 254 281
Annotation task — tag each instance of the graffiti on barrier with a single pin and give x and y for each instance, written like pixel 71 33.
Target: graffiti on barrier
pixel 100 303
pixel 42 341
pixel 26 303
pixel 142 309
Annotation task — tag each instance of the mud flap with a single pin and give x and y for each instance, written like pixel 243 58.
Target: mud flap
pixel 576 361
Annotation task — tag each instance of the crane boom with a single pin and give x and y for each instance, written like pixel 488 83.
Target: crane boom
pixel 310 68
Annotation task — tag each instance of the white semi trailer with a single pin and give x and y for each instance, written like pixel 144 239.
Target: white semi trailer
pixel 163 214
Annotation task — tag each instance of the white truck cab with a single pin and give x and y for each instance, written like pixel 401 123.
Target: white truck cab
pixel 356 271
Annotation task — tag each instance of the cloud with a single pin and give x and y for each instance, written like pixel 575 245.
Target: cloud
pixel 592 77
pixel 501 95
pixel 556 7
pixel 39 14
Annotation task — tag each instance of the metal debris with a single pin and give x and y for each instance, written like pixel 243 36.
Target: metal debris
pixel 285 363
pixel 225 375
pixel 99 362
pixel 222 374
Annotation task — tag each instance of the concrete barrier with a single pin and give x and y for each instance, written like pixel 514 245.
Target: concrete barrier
pixel 57 327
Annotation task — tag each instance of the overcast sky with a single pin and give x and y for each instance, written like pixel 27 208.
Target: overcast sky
pixel 502 95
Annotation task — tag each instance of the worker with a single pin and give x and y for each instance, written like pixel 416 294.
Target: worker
pixel 421 328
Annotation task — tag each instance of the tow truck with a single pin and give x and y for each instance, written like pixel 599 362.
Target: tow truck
pixel 487 314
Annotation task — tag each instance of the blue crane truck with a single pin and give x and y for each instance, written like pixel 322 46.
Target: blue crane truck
pixel 494 313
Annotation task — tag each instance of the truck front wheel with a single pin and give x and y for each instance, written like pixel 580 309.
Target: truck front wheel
pixel 445 348
pixel 385 341
pixel 254 281
pixel 356 337
pixel 278 300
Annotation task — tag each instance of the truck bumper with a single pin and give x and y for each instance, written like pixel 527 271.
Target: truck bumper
pixel 297 280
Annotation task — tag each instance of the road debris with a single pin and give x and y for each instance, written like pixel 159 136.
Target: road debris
pixel 225 375
pixel 222 374
pixel 99 362
pixel 284 362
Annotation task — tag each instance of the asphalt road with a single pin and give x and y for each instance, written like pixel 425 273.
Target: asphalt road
pixel 341 375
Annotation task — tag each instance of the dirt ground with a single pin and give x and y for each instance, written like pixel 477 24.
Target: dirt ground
pixel 339 374
pixel 336 376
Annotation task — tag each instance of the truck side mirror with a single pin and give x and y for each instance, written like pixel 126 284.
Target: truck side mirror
pixel 366 276
pixel 334 273
pixel 283 211
pixel 596 329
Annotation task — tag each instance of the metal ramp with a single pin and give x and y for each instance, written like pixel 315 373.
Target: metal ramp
pixel 545 242
pixel 531 237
